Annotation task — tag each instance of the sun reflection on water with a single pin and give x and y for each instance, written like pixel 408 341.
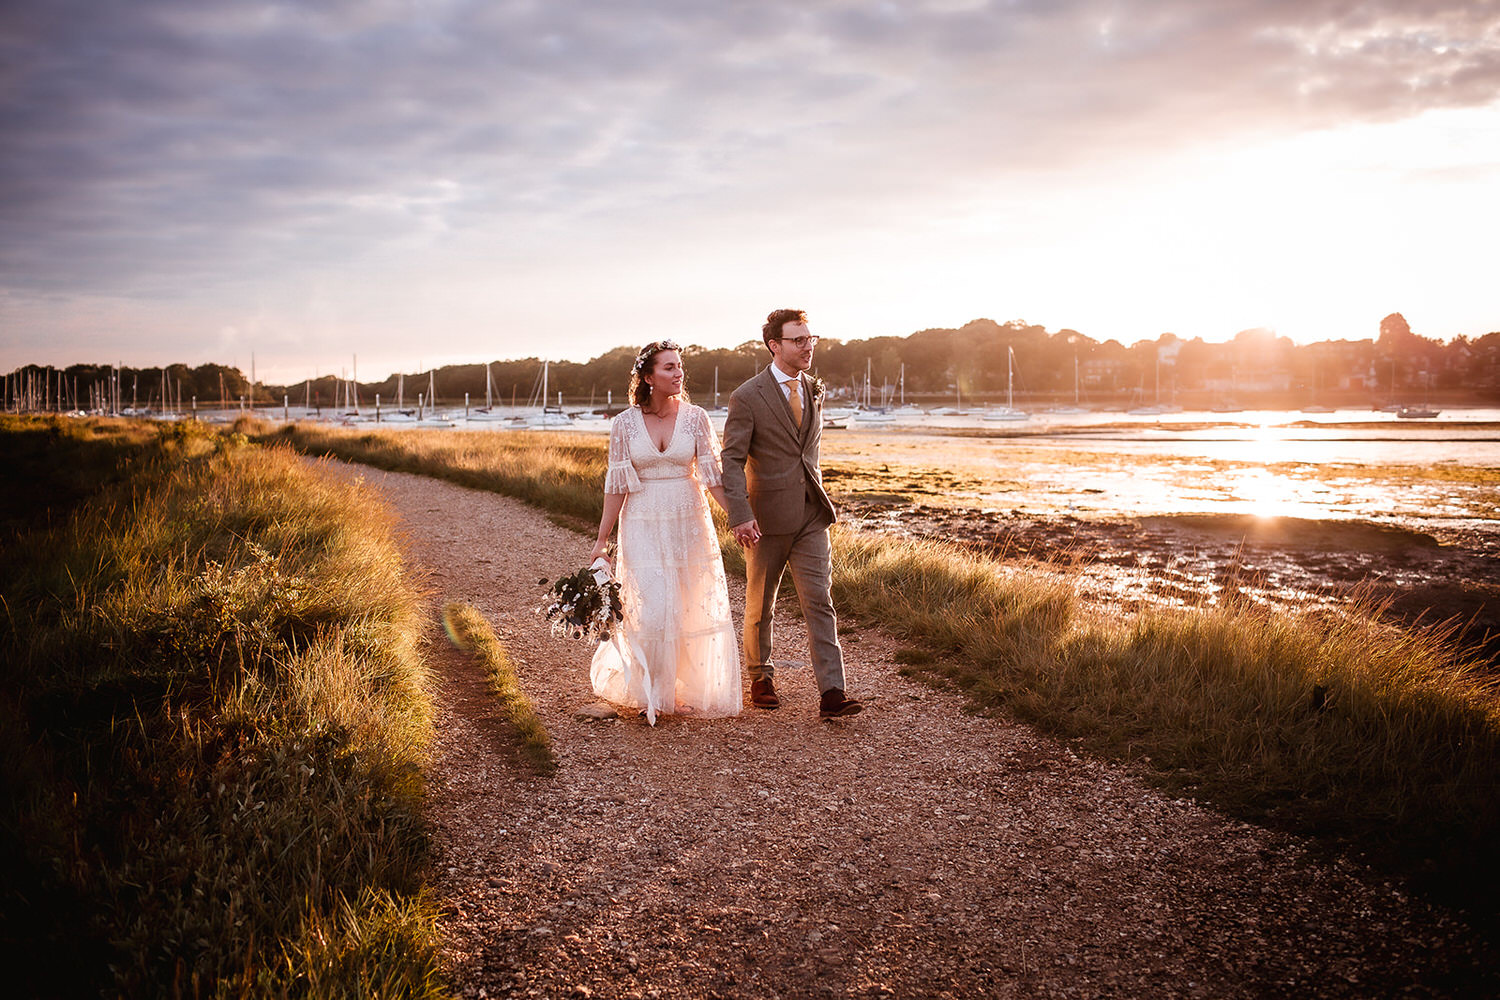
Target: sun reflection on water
pixel 1263 469
pixel 1264 494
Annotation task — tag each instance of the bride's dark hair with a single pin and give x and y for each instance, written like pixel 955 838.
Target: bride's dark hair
pixel 645 364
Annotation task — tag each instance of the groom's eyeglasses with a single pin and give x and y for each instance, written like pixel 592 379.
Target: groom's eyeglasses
pixel 801 342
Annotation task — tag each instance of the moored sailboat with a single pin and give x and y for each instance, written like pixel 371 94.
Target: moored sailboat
pixel 1008 412
pixel 551 416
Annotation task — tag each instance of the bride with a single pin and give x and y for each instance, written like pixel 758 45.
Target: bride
pixel 676 651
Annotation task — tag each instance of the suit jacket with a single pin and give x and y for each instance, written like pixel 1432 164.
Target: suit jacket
pixel 770 465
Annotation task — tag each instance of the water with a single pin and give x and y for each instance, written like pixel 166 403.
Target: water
pixel 1471 437
pixel 1165 510
pixel 1342 466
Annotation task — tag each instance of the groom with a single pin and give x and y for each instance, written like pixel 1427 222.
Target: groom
pixel 779 511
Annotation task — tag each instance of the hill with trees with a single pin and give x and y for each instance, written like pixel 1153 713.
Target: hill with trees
pixel 930 366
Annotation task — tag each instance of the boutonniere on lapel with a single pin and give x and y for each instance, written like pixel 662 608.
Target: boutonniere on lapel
pixel 815 389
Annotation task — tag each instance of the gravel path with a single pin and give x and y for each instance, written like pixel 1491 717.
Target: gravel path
pixel 914 850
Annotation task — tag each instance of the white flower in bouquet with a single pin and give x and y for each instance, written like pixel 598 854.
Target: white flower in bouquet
pixel 584 604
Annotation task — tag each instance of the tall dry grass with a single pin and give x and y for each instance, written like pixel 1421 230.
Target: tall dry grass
pixel 1337 725
pixel 213 736
pixel 51 464
pixel 561 473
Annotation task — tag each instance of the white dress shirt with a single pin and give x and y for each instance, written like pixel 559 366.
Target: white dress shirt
pixel 789 383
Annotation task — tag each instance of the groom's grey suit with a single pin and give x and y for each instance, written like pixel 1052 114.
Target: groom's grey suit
pixel 771 475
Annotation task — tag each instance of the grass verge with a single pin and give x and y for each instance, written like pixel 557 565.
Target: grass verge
pixel 1383 739
pixel 560 473
pixel 212 730
pixel 469 631
pixel 53 465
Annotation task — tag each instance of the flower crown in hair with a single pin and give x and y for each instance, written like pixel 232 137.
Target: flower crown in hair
pixel 650 351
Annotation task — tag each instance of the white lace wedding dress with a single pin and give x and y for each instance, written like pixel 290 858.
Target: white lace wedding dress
pixel 676 651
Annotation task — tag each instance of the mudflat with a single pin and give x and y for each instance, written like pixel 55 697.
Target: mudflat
pixel 1132 529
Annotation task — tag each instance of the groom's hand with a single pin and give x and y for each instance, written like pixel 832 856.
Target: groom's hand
pixel 746 534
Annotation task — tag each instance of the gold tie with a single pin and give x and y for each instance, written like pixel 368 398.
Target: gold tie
pixel 794 396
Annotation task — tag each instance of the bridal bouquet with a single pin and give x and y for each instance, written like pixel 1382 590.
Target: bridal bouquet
pixel 585 604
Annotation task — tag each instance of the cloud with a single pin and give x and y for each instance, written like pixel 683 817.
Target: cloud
pixel 163 148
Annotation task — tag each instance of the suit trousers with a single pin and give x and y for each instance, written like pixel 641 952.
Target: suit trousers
pixel 807 554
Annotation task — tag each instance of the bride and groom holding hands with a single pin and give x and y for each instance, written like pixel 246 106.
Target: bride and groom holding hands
pixel 676 651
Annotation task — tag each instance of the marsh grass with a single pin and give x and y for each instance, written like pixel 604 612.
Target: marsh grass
pixel 53 464
pixel 1334 724
pixel 214 728
pixel 1375 737
pixel 469 631
pixel 561 473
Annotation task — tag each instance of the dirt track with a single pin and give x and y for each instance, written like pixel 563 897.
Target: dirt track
pixel 914 850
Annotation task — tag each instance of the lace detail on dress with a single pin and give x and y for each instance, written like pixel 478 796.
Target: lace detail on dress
pixel 676 650
pixel 621 477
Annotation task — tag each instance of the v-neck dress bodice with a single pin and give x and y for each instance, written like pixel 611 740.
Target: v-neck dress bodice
pixel 676 650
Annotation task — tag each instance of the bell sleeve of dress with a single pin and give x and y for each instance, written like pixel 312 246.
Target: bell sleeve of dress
pixel 706 450
pixel 621 477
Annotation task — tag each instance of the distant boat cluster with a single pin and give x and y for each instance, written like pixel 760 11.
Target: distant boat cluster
pixel 846 408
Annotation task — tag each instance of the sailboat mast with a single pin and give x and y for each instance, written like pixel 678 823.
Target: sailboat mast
pixel 1010 375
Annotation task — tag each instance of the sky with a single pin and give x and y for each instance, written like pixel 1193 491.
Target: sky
pixel 399 185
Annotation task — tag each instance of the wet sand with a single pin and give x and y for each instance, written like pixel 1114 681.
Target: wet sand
pixel 1182 531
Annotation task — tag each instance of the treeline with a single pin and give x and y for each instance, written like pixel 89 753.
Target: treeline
pixel 969 362
pixel 93 387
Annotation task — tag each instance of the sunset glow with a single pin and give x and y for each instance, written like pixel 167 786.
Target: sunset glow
pixel 466 182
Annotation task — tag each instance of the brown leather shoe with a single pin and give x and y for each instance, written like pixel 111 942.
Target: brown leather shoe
pixel 836 703
pixel 763 694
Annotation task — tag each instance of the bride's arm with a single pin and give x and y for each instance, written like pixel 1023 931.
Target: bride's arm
pixel 619 482
pixel 612 504
pixel 710 472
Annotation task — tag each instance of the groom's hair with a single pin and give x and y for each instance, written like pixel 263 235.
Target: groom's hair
pixel 774 322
